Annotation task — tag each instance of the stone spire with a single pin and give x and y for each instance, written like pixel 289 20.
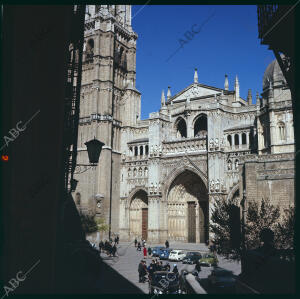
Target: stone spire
pixel 163 98
pixel 169 93
pixel 237 88
pixel 257 99
pixel 196 76
pixel 249 97
pixel 226 84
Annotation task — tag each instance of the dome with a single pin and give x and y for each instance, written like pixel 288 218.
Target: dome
pixel 273 73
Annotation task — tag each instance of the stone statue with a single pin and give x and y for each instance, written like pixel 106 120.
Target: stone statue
pixel 211 143
pixel 212 186
pixel 217 186
pixel 216 143
pixel 229 165
pixel 236 164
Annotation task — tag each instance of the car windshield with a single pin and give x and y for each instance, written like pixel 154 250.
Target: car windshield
pixel 208 256
pixel 173 251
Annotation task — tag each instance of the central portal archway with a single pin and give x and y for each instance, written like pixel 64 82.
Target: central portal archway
pixel 188 209
pixel 138 216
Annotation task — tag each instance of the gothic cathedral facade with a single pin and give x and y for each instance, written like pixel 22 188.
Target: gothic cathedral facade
pixel 158 178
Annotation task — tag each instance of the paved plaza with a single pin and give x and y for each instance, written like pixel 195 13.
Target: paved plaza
pixel 126 264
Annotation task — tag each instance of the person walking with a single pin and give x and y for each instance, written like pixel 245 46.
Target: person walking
pixel 135 242
pixel 139 247
pixel 145 252
pixel 144 271
pixel 118 239
pixel 149 251
pixel 198 266
pixel 101 245
pixel 140 270
pixel 114 250
pixel 175 269
pixel 167 244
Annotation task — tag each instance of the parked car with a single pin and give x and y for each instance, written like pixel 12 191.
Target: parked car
pixel 164 282
pixel 164 253
pixel 222 280
pixel 208 259
pixel 177 255
pixel 191 257
pixel 156 250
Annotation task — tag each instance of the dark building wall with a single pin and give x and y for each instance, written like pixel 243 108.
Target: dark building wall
pixel 35 45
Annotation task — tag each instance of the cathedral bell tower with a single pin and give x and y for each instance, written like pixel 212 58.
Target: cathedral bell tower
pixel 108 85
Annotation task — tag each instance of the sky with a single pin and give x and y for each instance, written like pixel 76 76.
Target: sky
pixel 173 40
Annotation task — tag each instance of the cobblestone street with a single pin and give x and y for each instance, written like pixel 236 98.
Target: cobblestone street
pixel 127 262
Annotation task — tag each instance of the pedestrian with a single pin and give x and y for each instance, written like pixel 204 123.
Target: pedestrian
pixel 175 269
pixel 115 239
pixel 198 266
pixel 167 244
pixel 168 268
pixel 135 242
pixel 140 270
pixel 144 271
pixel 151 269
pixel 149 251
pixel 161 266
pixel 114 250
pixel 101 245
pixel 118 239
pixel 145 252
pixel 139 247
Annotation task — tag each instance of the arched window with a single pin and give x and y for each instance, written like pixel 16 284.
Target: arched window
pixel 90 50
pixel 200 126
pixel 147 150
pixel 229 140
pixel 135 150
pixel 244 139
pixel 181 128
pixel 141 150
pixel 281 127
pixel 236 139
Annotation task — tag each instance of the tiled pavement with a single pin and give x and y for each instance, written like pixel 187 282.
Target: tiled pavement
pixel 127 262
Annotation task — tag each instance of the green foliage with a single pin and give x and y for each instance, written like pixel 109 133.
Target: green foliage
pixel 88 222
pixel 285 230
pixel 221 227
pixel 102 226
pixel 259 215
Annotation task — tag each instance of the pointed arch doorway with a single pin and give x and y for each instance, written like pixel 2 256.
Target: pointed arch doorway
pixel 188 209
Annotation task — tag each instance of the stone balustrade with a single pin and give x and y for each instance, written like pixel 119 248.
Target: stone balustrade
pixel 188 145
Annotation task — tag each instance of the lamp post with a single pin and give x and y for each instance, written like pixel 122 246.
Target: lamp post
pixel 94 148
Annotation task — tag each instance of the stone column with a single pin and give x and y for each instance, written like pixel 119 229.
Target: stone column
pixel 247 139
pixel 124 220
pixel 240 140
pixel 153 218
pixel 232 141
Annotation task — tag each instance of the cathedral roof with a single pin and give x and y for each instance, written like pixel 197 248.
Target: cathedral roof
pixel 196 90
pixel 274 74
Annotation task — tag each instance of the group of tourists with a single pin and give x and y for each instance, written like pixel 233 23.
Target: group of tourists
pixel 146 272
pixel 108 247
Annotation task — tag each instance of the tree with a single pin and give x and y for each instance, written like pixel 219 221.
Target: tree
pixel 88 222
pixel 285 230
pixel 225 227
pixel 259 216
pixel 101 225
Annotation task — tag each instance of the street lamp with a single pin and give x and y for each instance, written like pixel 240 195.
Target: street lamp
pixel 94 148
